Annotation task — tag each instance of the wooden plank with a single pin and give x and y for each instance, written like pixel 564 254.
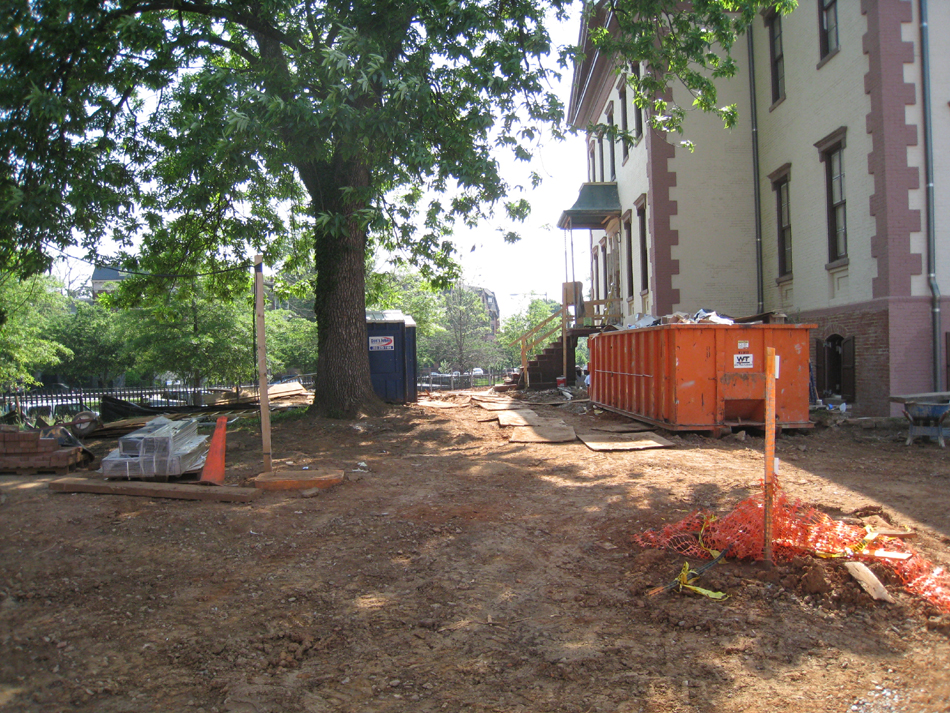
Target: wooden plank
pixel 631 427
pixel 519 418
pixel 283 391
pixel 888 555
pixel 868 581
pixel 623 441
pixel 262 359
pixel 177 491
pixel 542 434
pixel 299 479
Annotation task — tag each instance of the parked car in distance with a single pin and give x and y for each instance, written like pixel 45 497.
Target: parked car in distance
pixel 477 372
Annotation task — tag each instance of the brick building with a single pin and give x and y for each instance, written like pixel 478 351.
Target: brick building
pixel 829 201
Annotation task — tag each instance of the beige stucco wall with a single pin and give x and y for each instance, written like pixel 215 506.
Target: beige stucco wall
pixel 715 206
pixel 631 184
pixel 817 102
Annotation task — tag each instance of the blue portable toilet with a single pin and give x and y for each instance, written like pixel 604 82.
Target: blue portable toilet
pixel 392 355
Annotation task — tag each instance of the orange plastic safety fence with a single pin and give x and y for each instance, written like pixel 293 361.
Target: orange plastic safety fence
pixel 796 529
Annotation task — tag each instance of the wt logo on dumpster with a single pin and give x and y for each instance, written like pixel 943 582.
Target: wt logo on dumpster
pixel 742 361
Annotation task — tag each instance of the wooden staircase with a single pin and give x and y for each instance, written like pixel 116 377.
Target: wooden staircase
pixel 543 370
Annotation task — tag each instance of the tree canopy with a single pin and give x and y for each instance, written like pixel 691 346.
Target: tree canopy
pixel 689 43
pixel 193 133
pixel 26 309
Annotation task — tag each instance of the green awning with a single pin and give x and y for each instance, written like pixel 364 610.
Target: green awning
pixel 595 205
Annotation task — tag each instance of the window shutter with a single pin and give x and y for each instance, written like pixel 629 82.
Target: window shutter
pixel 848 385
pixel 821 360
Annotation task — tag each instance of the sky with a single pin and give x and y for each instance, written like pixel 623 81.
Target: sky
pixel 534 267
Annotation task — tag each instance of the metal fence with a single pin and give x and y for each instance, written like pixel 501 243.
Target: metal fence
pixel 62 403
pixel 450 382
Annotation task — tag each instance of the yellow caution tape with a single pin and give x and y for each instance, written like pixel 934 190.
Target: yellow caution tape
pixel 851 551
pixel 686 582
pixel 706 522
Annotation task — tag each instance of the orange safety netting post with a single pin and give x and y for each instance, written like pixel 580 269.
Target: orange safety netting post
pixel 769 481
pixel 770 526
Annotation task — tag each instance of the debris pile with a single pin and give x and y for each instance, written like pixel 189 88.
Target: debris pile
pixel 162 448
pixel 25 452
pixel 798 529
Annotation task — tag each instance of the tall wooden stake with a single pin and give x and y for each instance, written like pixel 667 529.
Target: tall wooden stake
pixel 262 359
pixel 769 484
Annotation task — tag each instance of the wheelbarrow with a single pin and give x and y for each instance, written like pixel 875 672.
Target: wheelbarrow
pixel 928 414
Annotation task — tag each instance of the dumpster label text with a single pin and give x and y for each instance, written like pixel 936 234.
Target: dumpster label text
pixel 742 361
pixel 382 344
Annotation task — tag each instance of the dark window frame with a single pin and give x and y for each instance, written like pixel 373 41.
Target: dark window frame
pixel 828 39
pixel 612 144
pixel 644 240
pixel 837 203
pixel 776 56
pixel 638 113
pixel 628 246
pixel 595 274
pixel 781 185
pixel 624 121
pixel 600 151
pixel 836 207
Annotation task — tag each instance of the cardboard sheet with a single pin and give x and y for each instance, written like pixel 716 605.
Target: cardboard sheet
pixel 623 441
pixel 519 418
pixel 542 434
pixel 632 427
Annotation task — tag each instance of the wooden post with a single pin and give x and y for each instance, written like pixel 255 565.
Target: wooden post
pixel 262 359
pixel 769 484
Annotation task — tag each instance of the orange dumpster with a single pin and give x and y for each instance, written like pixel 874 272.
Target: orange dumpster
pixel 701 377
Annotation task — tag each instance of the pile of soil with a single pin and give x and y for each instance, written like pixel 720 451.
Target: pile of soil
pixel 455 571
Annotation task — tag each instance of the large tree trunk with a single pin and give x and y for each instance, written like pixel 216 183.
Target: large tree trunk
pixel 342 387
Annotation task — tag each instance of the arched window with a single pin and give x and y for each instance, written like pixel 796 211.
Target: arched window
pixel 834 367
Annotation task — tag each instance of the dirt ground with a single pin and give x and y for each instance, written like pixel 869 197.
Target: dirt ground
pixel 455 571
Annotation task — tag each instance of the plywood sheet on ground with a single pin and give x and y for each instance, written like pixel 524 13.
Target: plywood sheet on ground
pixel 623 427
pixel 299 479
pixel 623 441
pixel 501 405
pixel 548 433
pixel 441 404
pixel 521 417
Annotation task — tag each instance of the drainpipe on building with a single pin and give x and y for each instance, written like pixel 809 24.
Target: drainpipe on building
pixel 931 212
pixel 757 199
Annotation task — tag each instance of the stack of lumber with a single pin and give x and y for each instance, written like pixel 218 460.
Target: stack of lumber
pixel 25 452
pixel 160 449
pixel 276 392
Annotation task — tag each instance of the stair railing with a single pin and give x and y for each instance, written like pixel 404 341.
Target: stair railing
pixel 530 339
pixel 565 320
